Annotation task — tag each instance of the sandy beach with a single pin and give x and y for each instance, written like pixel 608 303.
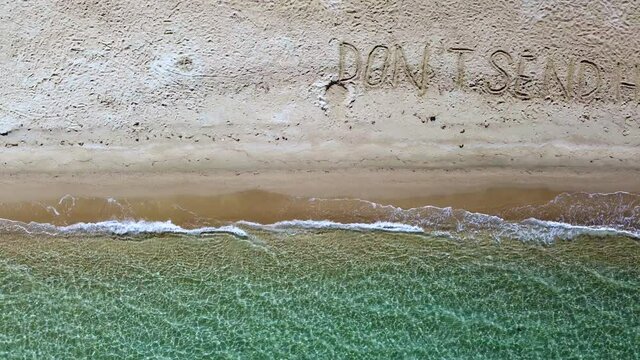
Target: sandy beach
pixel 256 111
pixel 357 179
pixel 318 86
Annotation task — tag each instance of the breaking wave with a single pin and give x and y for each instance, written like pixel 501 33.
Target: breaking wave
pixel 331 225
pixel 115 227
pixel 566 217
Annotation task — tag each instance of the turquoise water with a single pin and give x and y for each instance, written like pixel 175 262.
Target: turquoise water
pixel 317 294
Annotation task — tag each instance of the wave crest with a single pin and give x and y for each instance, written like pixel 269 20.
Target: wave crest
pixel 115 227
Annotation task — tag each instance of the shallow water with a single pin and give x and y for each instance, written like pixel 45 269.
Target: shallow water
pixel 263 275
pixel 317 293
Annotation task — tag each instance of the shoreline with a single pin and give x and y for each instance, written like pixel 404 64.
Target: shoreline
pixel 548 203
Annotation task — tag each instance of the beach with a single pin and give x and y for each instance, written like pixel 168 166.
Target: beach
pixel 314 179
pixel 318 85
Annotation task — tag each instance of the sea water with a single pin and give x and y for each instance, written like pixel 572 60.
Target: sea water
pixel 558 280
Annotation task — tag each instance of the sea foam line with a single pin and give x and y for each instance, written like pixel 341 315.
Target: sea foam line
pixel 140 227
pixel 530 229
pixel 126 227
pixel 332 225
pixel 570 231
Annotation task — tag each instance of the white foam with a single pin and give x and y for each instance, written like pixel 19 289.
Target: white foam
pixel 128 227
pixel 331 225
pixel 446 222
pixel 568 231
pixel 67 197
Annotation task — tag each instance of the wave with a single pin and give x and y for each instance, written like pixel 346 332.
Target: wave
pixel 142 227
pixel 114 227
pixel 331 225
pixel 565 217
pixel 530 230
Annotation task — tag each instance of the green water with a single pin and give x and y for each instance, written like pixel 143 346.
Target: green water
pixel 318 295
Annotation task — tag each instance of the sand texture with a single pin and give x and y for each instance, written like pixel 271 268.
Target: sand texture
pixel 115 85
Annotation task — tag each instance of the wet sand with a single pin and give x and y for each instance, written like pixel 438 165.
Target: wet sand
pixel 269 197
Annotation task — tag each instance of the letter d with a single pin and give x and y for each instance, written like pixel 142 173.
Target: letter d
pixel 342 75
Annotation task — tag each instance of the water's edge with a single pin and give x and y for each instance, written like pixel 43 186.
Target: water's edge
pixel 567 216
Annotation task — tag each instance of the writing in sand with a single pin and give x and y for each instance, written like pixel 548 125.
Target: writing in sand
pixel 520 75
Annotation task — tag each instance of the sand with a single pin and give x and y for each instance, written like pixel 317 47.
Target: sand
pixel 372 99
pixel 486 190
